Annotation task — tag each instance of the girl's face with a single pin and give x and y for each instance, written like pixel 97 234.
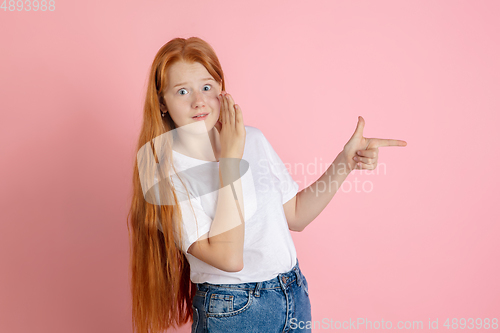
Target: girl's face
pixel 192 90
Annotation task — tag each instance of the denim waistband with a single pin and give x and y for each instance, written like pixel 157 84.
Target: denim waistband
pixel 280 281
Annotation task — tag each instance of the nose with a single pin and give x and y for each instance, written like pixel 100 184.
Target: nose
pixel 198 100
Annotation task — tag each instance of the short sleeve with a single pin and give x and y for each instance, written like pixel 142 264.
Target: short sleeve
pixel 195 222
pixel 288 186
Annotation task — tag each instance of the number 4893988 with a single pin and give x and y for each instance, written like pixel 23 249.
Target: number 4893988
pixel 28 5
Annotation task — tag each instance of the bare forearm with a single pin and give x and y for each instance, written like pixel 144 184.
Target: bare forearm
pixel 228 228
pixel 313 199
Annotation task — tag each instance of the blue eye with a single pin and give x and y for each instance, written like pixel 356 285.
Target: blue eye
pixel 203 87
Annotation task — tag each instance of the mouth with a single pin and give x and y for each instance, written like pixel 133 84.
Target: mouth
pixel 201 116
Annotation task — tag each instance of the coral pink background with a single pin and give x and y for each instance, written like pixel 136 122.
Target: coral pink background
pixel 419 243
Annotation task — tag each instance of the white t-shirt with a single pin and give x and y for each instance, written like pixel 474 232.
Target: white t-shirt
pixel 267 185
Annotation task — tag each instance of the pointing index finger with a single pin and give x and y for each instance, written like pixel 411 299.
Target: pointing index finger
pixel 389 142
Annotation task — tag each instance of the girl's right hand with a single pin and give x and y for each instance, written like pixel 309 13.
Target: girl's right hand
pixel 231 128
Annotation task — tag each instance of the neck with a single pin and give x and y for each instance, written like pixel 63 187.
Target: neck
pixel 196 145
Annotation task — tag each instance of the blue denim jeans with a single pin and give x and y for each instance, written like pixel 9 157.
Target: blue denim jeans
pixel 277 305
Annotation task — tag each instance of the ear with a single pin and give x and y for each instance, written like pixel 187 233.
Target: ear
pixel 163 108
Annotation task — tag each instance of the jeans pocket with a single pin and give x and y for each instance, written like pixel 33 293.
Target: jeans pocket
pixel 228 302
pixel 196 319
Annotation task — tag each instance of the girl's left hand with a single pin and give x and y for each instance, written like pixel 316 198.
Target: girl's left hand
pixel 362 153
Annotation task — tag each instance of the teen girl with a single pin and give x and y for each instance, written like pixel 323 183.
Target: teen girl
pixel 210 235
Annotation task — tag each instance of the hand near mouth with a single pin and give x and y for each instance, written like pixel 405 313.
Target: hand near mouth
pixel 231 128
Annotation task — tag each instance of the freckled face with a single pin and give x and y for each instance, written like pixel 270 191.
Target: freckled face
pixel 191 90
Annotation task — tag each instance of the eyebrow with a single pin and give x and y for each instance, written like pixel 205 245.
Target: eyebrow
pixel 183 83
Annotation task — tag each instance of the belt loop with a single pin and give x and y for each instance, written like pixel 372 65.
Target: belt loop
pixel 257 289
pixel 297 273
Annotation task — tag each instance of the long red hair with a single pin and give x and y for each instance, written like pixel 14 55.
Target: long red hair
pixel 161 288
